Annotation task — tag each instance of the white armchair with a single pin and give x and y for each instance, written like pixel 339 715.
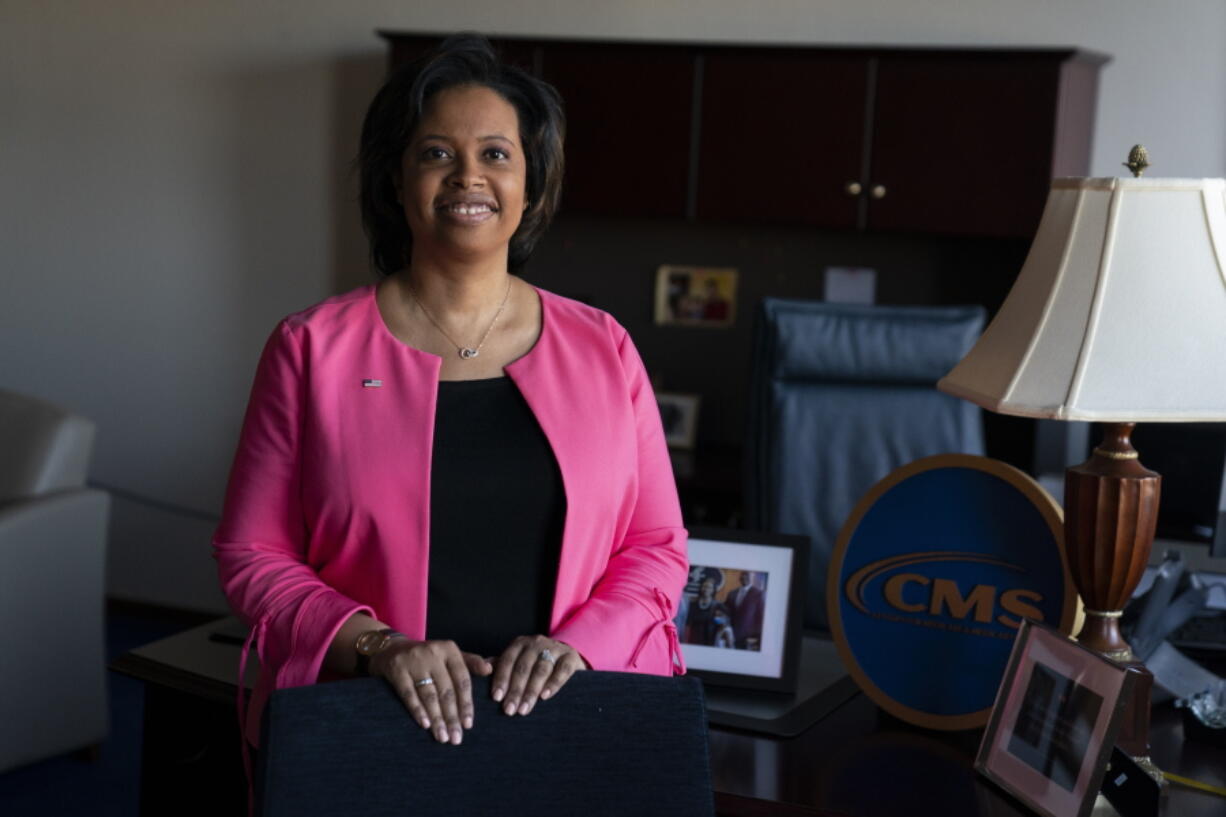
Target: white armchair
pixel 52 576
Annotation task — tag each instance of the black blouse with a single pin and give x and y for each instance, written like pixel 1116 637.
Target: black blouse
pixel 497 507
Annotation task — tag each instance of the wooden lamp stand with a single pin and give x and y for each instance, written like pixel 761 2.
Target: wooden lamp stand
pixel 1110 513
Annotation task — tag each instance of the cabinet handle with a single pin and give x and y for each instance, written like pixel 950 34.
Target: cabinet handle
pixel 853 188
pixel 878 191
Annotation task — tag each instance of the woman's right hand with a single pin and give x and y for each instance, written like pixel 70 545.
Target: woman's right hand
pixel 433 679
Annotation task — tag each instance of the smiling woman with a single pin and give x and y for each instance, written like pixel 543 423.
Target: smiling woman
pixel 400 108
pixel 452 472
pixel 462 178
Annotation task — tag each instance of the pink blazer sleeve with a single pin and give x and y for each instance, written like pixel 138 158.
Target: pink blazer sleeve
pixel 627 622
pixel 260 545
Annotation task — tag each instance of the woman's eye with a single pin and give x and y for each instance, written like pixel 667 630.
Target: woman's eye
pixel 497 153
pixel 434 153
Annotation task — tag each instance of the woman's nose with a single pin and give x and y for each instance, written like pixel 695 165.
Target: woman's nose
pixel 465 173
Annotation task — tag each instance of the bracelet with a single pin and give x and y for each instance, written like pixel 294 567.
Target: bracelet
pixel 371 643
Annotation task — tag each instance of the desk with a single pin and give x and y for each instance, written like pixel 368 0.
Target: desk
pixel 856 762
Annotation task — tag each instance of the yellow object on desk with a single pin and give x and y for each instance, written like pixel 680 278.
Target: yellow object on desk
pixel 1195 784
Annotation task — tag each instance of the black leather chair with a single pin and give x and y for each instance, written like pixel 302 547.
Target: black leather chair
pixel 841 395
pixel 608 744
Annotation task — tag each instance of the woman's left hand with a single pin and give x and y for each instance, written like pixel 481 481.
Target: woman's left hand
pixel 533 667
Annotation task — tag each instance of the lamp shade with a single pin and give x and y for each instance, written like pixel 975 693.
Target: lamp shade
pixel 1119 313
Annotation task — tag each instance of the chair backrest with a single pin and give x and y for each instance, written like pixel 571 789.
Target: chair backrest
pixel 841 395
pixel 608 744
pixel 43 448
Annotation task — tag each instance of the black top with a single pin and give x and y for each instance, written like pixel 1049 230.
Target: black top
pixel 496 512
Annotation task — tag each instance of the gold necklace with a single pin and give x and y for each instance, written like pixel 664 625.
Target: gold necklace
pixel 466 352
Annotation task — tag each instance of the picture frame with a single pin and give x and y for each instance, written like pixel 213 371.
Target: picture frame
pixel 695 296
pixel 1049 736
pixel 748 633
pixel 679 415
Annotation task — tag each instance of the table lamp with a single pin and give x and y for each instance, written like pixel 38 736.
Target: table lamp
pixel 1117 317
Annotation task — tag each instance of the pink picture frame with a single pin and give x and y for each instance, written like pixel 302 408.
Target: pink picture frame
pixel 1054 723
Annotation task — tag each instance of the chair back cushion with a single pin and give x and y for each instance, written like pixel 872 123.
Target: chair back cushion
pixel 43 448
pixel 608 744
pixel 842 394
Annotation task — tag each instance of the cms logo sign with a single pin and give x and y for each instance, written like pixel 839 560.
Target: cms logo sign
pixel 928 585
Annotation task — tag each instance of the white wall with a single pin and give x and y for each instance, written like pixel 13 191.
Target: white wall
pixel 173 179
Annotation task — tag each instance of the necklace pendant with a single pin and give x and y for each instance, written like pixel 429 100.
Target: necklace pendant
pixel 468 354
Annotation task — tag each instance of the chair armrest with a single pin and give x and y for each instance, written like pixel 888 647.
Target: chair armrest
pixel 57 543
pixel 27 521
pixel 52 624
pixel 53 560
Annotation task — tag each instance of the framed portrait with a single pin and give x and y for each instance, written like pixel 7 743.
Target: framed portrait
pixel 739 616
pixel 679 414
pixel 1054 723
pixel 695 296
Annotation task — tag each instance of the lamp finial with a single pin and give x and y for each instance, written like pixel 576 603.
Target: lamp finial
pixel 1138 160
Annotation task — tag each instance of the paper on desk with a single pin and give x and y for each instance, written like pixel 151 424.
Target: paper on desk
pixel 1177 674
pixel 851 285
pixel 1214 582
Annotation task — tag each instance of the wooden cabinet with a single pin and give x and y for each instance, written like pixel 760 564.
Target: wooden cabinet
pixel 628 127
pixel 967 143
pixel 954 142
pixel 939 141
pixel 405 48
pixel 782 136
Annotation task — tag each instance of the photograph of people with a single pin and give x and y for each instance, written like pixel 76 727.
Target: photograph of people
pixel 695 296
pixel 745 603
pixel 700 625
pixel 724 637
pixel 451 472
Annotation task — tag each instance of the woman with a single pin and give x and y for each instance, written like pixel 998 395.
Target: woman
pixel 703 624
pixel 452 464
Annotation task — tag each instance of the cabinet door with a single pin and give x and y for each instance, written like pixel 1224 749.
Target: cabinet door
pixel 407 47
pixel 628 126
pixel 782 136
pixel 963 143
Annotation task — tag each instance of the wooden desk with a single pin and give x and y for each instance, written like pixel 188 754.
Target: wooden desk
pixel 856 762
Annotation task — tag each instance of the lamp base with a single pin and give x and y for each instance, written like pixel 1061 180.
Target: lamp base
pixel 1110 513
pixel 1133 736
pixel 1150 768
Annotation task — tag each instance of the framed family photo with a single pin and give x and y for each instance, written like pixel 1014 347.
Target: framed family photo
pixel 1054 723
pixel 739 617
pixel 695 296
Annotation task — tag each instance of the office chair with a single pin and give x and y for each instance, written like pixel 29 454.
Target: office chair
pixel 608 744
pixel 842 394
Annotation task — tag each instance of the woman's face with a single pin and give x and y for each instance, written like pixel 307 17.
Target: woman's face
pixel 707 588
pixel 463 175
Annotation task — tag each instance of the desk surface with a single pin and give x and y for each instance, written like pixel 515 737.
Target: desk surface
pixel 857 761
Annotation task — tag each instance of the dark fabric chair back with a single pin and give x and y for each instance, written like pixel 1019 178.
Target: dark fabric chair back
pixel 841 395
pixel 609 744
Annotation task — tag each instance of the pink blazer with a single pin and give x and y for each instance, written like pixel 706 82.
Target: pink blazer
pixel 327 510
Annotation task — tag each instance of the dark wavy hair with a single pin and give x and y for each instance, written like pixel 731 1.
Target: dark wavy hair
pixel 463 59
